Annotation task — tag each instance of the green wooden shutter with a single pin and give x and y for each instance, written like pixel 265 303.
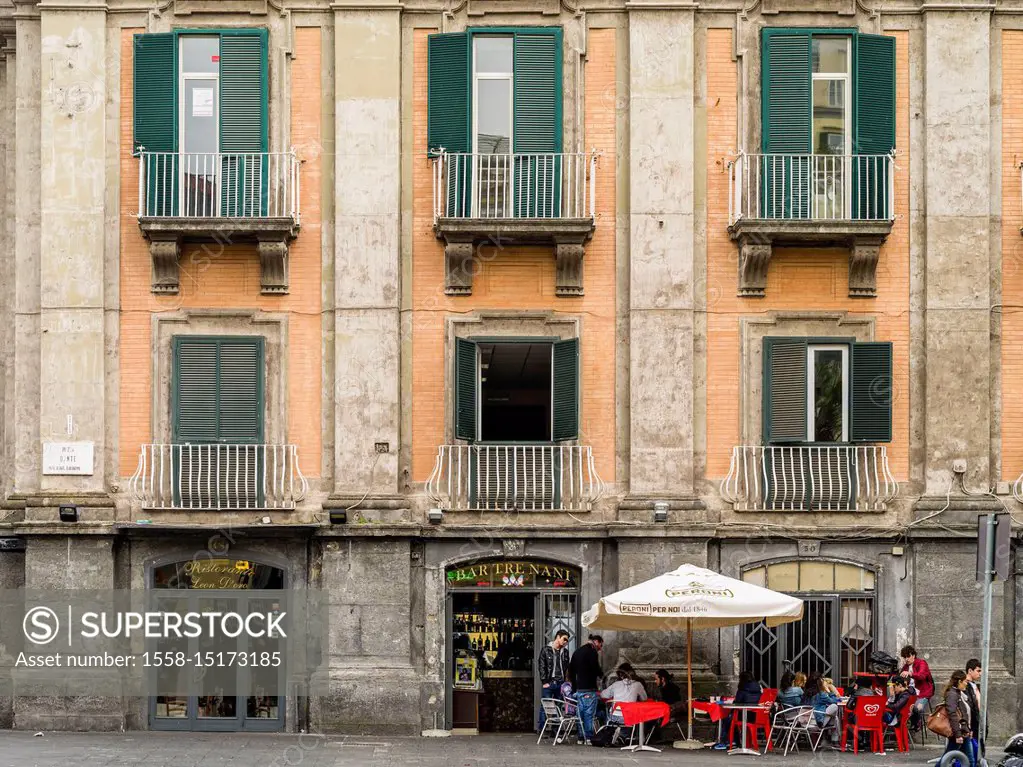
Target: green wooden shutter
pixel 466 387
pixel 217 390
pixel 874 122
pixel 240 385
pixel 784 390
pixel 565 405
pixel 870 407
pixel 786 110
pixel 447 112
pixel 537 121
pixel 155 118
pixel 194 390
pixel 244 123
pixel 448 92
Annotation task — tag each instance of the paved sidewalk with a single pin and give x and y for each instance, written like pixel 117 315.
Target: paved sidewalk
pixel 154 749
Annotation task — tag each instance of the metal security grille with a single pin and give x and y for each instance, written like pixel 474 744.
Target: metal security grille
pixel 561 612
pixel 834 638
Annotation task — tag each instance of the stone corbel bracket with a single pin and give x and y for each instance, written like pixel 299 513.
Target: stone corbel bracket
pixel 468 241
pixel 757 239
pixel 166 234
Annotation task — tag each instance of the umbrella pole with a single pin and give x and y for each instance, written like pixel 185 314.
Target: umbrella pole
pixel 689 743
pixel 689 669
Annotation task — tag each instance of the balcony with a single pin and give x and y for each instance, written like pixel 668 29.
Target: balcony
pixel 218 477
pixel 223 197
pixel 817 200
pixel 514 199
pixel 514 478
pixel 809 478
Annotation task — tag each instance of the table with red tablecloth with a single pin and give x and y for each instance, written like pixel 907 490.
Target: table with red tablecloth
pixel 644 711
pixel 713 710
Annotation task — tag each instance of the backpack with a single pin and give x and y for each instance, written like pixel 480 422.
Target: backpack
pixel 882 663
pixel 602 738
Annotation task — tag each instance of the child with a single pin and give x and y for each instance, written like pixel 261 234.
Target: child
pixel 566 695
pixel 899 700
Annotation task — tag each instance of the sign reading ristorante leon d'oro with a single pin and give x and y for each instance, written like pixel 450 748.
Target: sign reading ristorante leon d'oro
pixel 219 573
pixel 513 573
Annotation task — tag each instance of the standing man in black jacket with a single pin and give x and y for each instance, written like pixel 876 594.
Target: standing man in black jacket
pixel 552 665
pixel 585 674
pixel 973 674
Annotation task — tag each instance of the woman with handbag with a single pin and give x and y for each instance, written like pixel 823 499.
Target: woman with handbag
pixel 957 710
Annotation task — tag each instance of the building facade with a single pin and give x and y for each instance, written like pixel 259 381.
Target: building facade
pixel 427 304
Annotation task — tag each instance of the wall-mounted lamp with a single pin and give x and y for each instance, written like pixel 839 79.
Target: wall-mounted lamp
pixel 661 511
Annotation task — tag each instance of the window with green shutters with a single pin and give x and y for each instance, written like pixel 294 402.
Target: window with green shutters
pixel 166 100
pixel 545 374
pixel 820 390
pixel 496 94
pixel 217 390
pixel 217 421
pixel 826 92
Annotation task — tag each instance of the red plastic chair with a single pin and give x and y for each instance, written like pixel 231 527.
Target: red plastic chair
pixel 760 720
pixel 869 718
pixel 901 727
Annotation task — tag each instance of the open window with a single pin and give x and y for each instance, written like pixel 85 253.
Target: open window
pixel 201 116
pixel 828 119
pixel 820 395
pixel 519 390
pixel 826 391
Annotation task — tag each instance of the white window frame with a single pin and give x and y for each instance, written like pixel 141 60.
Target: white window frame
pixel 184 77
pixel 846 162
pixel 477 159
pixel 811 387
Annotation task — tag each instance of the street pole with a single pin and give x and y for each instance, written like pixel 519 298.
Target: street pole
pixel 985 653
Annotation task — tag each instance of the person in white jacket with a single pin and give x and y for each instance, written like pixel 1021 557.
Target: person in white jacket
pixel 627 689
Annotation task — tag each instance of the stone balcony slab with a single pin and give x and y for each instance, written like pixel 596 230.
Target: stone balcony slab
pixel 463 238
pixel 757 238
pixel 166 234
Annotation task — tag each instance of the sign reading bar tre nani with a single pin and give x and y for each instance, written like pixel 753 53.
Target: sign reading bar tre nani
pixel 67 458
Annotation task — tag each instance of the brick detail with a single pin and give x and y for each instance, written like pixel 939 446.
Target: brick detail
pixel 227 276
pixel 520 278
pixel 1012 258
pixel 799 278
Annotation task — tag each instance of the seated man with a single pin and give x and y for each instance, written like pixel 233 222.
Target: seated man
pixel 666 691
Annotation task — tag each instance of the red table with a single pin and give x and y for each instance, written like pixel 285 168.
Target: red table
pixel 640 713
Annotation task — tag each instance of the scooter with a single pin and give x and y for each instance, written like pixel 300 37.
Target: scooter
pixel 1013 752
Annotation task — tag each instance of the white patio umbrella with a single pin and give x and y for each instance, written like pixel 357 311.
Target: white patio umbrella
pixel 691 597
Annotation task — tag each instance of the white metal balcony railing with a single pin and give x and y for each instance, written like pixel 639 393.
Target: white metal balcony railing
pixel 219 185
pixel 809 478
pixel 514 477
pixel 514 185
pixel 218 476
pixel 803 187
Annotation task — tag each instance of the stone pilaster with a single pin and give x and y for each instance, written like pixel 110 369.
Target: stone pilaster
pixel 72 238
pixel 367 410
pixel 661 246
pixel 25 190
pixel 957 134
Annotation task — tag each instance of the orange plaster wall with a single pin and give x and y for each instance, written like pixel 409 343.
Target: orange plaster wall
pixel 519 279
pixel 798 279
pixel 227 277
pixel 1012 257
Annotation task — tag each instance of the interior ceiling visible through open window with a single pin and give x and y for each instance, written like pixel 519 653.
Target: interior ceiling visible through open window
pixel 515 389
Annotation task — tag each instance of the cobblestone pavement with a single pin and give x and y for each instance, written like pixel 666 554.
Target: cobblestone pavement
pixel 153 749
